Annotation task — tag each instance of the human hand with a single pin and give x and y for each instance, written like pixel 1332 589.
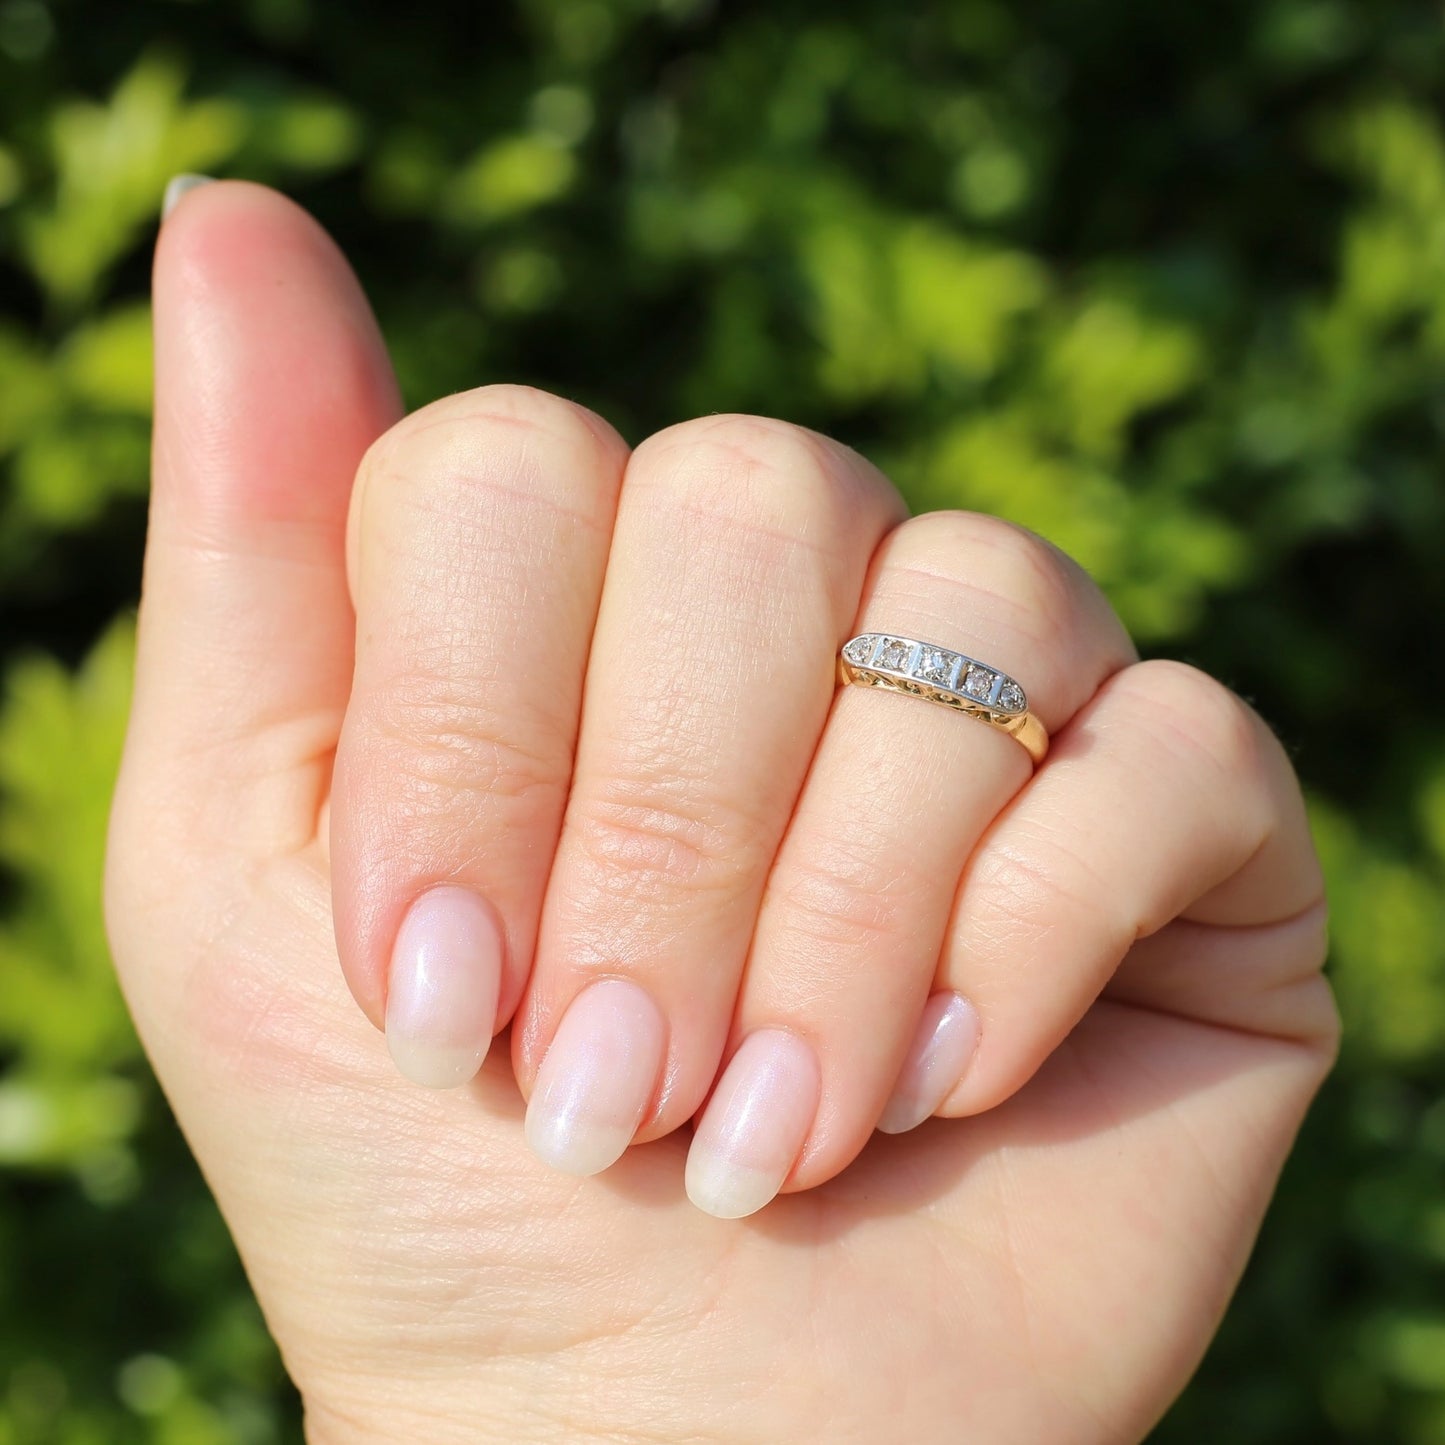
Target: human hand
pixel 1049 1270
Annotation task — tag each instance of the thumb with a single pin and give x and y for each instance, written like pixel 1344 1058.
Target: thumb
pixel 271 381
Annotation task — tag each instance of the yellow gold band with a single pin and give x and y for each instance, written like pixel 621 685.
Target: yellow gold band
pixel 939 674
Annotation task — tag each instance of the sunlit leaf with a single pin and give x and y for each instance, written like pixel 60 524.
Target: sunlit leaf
pixel 112 161
pixel 507 177
pixel 60 737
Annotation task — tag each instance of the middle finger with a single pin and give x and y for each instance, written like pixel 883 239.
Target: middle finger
pixel 741 545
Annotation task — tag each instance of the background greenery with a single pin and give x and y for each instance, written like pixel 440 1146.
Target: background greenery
pixel 1166 282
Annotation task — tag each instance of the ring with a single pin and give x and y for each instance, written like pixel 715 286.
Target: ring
pixel 938 674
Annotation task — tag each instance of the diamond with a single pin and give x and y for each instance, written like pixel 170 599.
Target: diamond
pixel 1011 697
pixel 894 654
pixel 935 665
pixel 979 682
pixel 859 651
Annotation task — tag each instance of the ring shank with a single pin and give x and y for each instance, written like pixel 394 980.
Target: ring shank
pixel 1031 733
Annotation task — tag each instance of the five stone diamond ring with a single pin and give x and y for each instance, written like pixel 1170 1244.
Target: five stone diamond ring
pixel 926 670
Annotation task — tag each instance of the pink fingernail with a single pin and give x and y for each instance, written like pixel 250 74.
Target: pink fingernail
pixel 597 1078
pixel 942 1049
pixel 754 1124
pixel 441 1001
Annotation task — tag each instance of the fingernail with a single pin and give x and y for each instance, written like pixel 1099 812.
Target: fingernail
pixel 597 1077
pixel 754 1124
pixel 177 187
pixel 941 1051
pixel 441 1000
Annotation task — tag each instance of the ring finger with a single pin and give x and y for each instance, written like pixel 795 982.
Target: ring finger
pixel 853 919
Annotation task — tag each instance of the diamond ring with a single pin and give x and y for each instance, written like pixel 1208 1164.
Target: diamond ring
pixel 928 670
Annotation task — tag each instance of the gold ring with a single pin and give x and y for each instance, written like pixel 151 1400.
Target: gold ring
pixel 938 674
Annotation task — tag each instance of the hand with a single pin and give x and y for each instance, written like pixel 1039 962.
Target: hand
pixel 1135 942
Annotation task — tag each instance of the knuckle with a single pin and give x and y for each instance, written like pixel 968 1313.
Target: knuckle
pixel 1325 1024
pixel 630 842
pixel 1018 889
pixel 433 738
pixel 1015 892
pixel 459 420
pixel 753 442
pixel 1198 712
pixel 543 447
pixel 837 896
pixel 763 472
pixel 1002 557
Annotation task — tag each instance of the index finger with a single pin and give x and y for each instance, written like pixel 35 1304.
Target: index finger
pixel 479 535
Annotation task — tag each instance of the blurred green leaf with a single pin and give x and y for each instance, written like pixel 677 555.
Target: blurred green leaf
pixel 111 164
pixel 1108 363
pixel 900 305
pixel 507 177
pixel 27 391
pixel 1388 924
pixel 106 363
pixel 308 133
pixel 59 751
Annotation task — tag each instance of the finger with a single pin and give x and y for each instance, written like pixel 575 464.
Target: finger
pixel 1166 798
pixel 479 536
pixel 740 550
pixel 271 380
pixel 1262 978
pixel 853 920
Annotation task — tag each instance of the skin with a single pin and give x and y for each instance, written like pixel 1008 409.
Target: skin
pixel 1138 923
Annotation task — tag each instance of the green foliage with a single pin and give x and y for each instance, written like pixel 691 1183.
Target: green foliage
pixel 108 160
pixel 1166 283
pixel 59 748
